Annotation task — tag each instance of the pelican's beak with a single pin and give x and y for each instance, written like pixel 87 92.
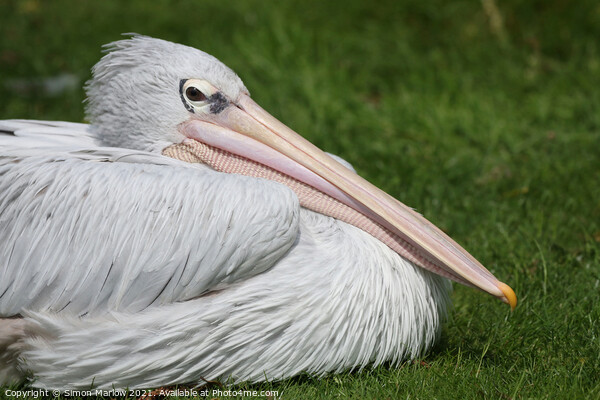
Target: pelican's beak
pixel 245 129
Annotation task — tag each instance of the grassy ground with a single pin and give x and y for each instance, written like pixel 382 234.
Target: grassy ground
pixel 484 116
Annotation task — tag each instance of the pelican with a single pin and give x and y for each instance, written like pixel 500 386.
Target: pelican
pixel 188 235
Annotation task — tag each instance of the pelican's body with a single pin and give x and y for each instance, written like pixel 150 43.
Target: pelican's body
pixel 120 267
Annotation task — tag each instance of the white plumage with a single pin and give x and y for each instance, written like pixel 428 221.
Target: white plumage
pixel 121 267
pixel 111 294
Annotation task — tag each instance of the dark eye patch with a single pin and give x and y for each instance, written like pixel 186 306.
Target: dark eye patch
pixel 218 102
pixel 185 103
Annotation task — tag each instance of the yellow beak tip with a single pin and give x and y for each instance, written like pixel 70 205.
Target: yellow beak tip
pixel 509 294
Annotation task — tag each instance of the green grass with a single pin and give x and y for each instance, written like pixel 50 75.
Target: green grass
pixel 492 130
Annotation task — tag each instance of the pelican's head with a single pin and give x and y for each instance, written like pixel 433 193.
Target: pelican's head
pixel 140 92
pixel 150 94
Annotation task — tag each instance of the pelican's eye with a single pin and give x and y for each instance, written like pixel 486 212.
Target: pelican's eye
pixel 200 96
pixel 194 94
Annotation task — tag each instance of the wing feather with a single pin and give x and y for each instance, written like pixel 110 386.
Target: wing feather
pixel 86 229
